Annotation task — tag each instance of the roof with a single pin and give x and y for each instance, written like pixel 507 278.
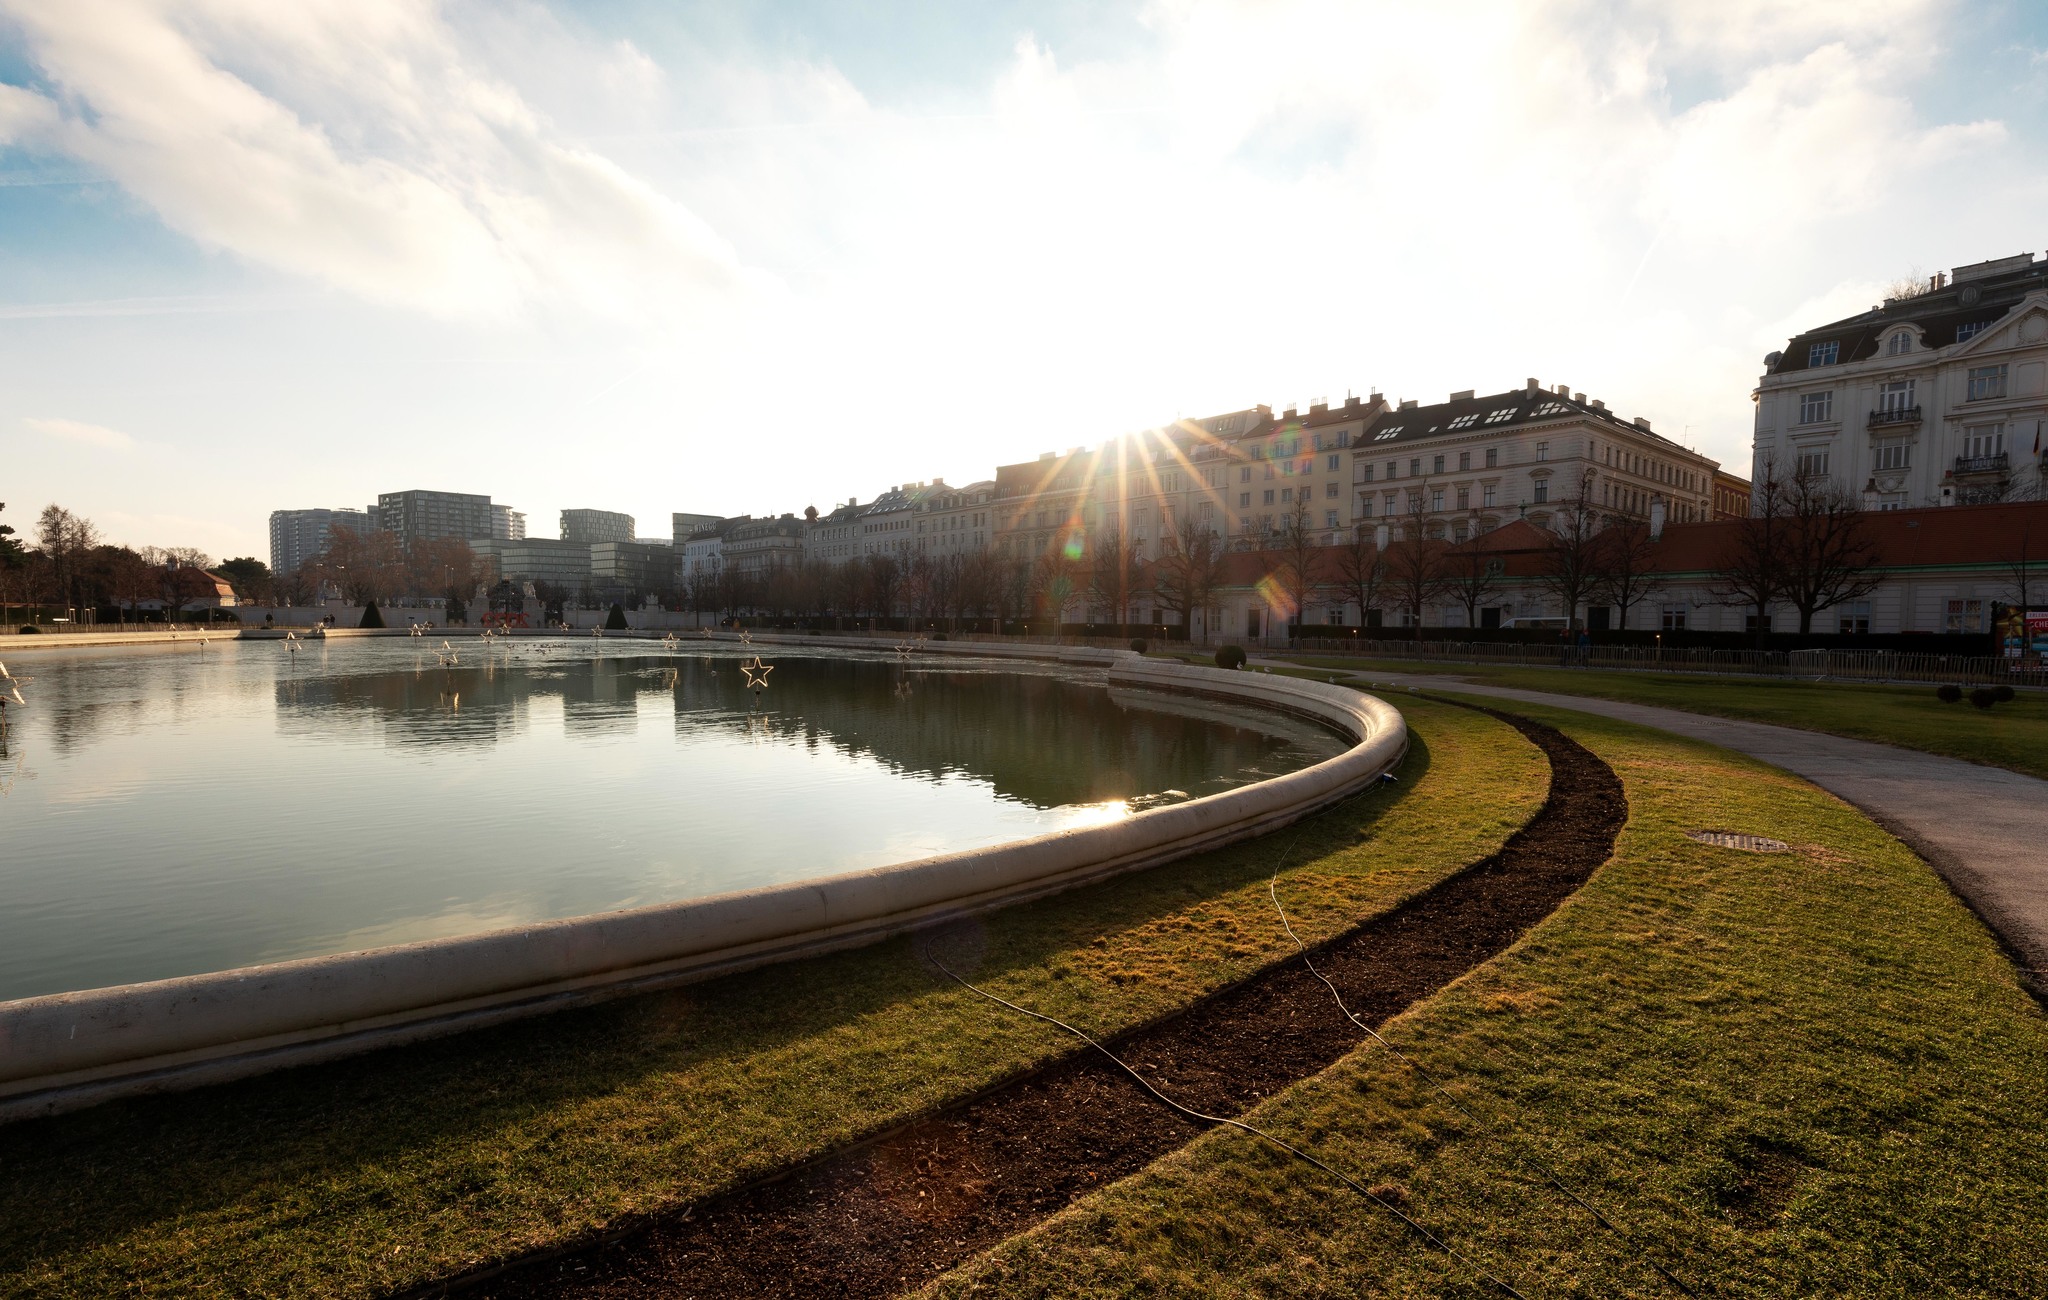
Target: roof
pixel 1974 296
pixel 1517 408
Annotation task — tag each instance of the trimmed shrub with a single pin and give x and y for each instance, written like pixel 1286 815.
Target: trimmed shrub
pixel 1230 656
pixel 1138 644
pixel 616 620
pixel 2003 692
pixel 1949 694
pixel 371 616
pixel 1983 697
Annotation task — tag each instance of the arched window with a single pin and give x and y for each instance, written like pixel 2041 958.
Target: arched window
pixel 1900 342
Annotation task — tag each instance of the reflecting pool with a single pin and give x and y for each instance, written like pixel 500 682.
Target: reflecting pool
pixel 173 810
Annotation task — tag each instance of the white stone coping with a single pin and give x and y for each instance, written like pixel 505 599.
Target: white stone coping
pixel 68 1050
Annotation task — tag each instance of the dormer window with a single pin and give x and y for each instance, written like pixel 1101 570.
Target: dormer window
pixel 1504 413
pixel 1899 344
pixel 1970 329
pixel 1823 354
pixel 1465 421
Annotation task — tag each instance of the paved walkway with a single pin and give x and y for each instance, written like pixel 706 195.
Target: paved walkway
pixel 1984 828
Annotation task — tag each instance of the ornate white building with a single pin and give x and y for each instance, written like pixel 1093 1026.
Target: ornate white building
pixel 1933 399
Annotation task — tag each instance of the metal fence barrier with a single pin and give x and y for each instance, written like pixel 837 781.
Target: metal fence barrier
pixel 1814 665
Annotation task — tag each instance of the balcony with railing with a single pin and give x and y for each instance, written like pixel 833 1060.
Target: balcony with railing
pixel 1892 417
pixel 1981 464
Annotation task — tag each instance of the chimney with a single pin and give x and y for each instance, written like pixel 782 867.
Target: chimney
pixel 1579 397
pixel 1534 385
pixel 1462 395
pixel 1641 423
pixel 1289 414
pixel 1564 390
pixel 1350 401
pixel 1408 404
pixel 1656 517
pixel 1598 405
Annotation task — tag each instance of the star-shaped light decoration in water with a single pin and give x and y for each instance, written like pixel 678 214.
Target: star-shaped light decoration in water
pixel 10 687
pixel 757 674
pixel 747 638
pixel 417 630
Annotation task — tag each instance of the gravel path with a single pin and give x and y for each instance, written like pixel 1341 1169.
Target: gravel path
pixel 1984 828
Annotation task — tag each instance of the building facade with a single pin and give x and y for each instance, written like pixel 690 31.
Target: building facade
pixel 755 546
pixel 624 569
pixel 953 521
pixel 588 526
pixel 1462 468
pixel 1932 399
pixel 833 538
pixel 507 524
pixel 420 515
pixel 297 536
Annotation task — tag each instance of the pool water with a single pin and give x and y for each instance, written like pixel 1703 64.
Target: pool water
pixel 173 810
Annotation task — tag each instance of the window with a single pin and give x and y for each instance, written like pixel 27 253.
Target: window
pixel 1492 457
pixel 1823 354
pixel 1414 465
pixel 1465 421
pixel 1244 475
pixel 1365 505
pixel 1334 463
pixel 1899 343
pixel 1393 469
pixel 1673 619
pixel 1891 455
pixel 1318 442
pixel 1550 408
pixel 1965 616
pixel 1815 408
pixel 1486 496
pixel 1287 494
pixel 1813 463
pixel 1464 498
pixel 1269 469
pixel 1541 492
pixel 1329 519
pixel 1504 413
pixel 1986 382
pixel 1464 460
pixel 1970 329
pixel 1542 451
pixel 1891 501
pixel 1981 441
pixel 1308 464
pixel 1385 434
pixel 1330 488
pixel 1853 619
pixel 1363 473
pixel 1244 500
pixel 1269 498
pixel 1754 622
pixel 1436 498
pixel 1288 469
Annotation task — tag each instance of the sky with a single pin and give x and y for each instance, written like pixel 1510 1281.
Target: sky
pixel 753 257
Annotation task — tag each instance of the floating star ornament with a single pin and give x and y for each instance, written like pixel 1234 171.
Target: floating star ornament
pixel 757 674
pixel 10 687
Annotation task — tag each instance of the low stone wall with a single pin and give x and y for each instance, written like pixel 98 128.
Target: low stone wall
pixel 68 1050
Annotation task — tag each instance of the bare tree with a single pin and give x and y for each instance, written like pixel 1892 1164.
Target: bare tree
pixel 65 539
pixel 1829 553
pixel 1189 570
pixel 1625 559
pixel 1416 576
pixel 1300 566
pixel 1472 578
pixel 1116 572
pixel 1361 571
pixel 1751 572
pixel 1569 564
pixel 363 565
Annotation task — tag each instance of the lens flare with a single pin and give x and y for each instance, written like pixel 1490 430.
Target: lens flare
pixel 1276 597
pixel 1076 544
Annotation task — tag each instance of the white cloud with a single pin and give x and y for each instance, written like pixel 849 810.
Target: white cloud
pixel 350 141
pixel 92 435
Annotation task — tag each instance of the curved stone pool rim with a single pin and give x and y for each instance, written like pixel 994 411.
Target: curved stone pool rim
pixel 65 1051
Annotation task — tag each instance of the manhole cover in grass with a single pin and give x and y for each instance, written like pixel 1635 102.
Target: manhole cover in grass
pixel 1737 840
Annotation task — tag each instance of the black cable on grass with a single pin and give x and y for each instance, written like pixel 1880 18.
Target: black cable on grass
pixel 1356 1186
pixel 1273 891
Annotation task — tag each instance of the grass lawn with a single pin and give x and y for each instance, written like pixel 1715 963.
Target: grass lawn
pixel 1798 1074
pixel 367 1176
pixel 2012 735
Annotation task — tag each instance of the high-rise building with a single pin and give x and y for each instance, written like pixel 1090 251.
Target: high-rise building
pixel 296 536
pixel 589 526
pixel 507 524
pixel 418 515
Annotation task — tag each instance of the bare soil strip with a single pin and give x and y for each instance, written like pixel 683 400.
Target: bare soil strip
pixel 894 1212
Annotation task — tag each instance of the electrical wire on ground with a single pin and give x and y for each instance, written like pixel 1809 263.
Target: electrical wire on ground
pixel 1273 892
pixel 1413 1225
